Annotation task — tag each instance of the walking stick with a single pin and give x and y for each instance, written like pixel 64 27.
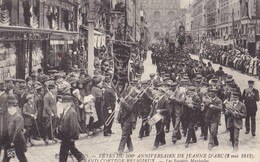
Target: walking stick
pixel 37 128
pixel 52 137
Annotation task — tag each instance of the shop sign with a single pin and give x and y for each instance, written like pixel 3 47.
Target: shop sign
pixel 38 36
pixel 12 35
pixel 59 3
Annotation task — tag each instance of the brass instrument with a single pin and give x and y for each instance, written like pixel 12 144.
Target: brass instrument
pixel 110 118
pixel 230 108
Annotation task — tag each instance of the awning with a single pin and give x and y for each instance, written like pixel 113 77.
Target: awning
pixel 221 42
pixel 95 31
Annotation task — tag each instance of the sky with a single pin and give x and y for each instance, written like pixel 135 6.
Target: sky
pixel 185 3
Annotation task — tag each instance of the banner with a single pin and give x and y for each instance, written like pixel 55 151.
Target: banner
pixel 121 56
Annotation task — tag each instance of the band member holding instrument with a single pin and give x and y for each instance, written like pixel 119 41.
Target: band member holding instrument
pixel 161 106
pixel 213 115
pixel 127 119
pixel 192 104
pixel 250 97
pixel 204 96
pixel 109 98
pixel 145 108
pixel 235 111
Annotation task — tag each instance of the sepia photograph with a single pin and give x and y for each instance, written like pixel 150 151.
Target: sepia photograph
pixel 129 80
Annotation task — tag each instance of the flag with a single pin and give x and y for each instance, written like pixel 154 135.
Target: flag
pixel 249 9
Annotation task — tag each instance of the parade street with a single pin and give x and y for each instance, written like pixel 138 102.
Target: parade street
pixel 96 145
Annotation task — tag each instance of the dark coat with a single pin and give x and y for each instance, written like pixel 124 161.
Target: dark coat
pixel 15 131
pixel 163 105
pixel 236 121
pixel 49 105
pixel 70 127
pixel 126 111
pixel 28 110
pixel 213 114
pixel 3 116
pixel 250 100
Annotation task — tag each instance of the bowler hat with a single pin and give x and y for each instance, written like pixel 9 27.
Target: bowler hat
pixel 191 88
pixel 66 98
pixel 96 80
pixel 11 100
pixel 236 94
pixel 51 86
pixel 29 96
pixel 251 82
pixel 2 86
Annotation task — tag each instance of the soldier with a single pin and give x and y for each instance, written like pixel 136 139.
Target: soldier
pixel 250 97
pixel 3 116
pixel 15 131
pixel 213 117
pixel 161 106
pixel 192 104
pixel 69 129
pixel 235 111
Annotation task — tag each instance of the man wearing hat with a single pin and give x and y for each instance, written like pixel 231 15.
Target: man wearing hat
pixel 161 106
pixel 235 111
pixel 69 129
pixel 192 105
pixel 145 108
pixel 38 99
pixel 50 112
pixel 171 86
pixel 212 117
pixel 3 116
pixel 250 97
pixel 15 131
pixel 109 104
pixel 96 91
pixel 30 116
pixel 127 119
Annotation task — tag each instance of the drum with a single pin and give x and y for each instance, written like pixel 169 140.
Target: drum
pixel 157 117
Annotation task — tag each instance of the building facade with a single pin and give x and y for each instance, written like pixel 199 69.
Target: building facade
pixel 35 34
pixel 161 16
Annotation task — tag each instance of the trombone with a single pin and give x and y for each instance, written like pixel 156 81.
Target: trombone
pixel 110 118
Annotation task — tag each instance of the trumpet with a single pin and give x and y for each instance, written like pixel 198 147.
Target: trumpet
pixel 110 118
pixel 230 108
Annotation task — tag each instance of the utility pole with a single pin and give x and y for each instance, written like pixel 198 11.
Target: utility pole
pixel 91 20
pixel 233 29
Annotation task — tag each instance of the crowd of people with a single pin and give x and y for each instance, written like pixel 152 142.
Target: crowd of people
pixel 192 96
pixel 238 59
pixel 185 92
pixel 58 105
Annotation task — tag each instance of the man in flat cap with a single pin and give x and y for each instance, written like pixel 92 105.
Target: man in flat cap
pixel 161 106
pixel 69 129
pixel 15 131
pixel 30 116
pixel 212 117
pixel 250 97
pixel 235 111
pixel 192 105
pixel 50 112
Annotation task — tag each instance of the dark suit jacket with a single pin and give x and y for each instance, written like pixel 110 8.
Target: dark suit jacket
pixel 27 111
pixel 126 111
pixel 3 116
pixel 236 121
pixel 213 114
pixel 49 105
pixel 250 101
pixel 15 131
pixel 69 125
pixel 163 105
